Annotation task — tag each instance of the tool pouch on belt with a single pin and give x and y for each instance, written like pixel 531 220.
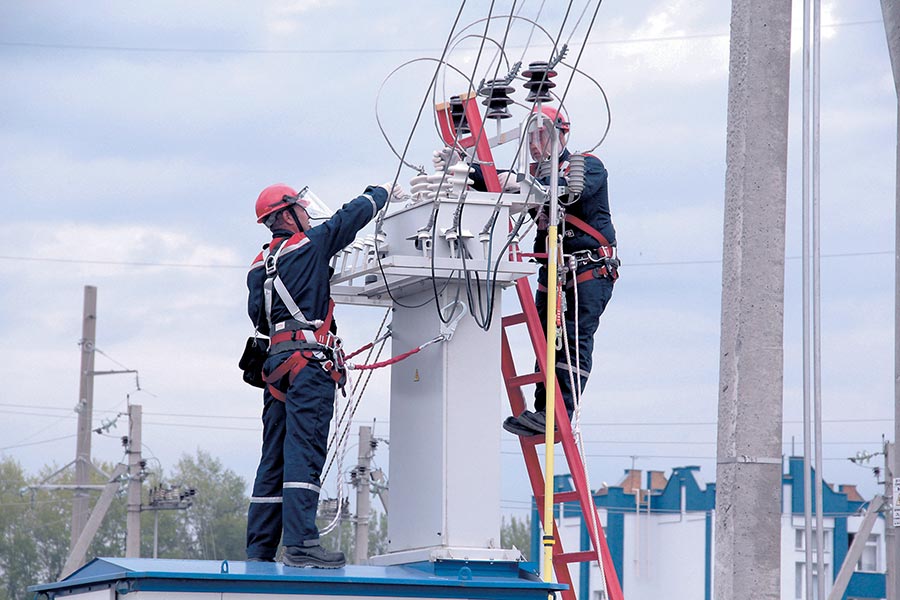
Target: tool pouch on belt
pixel 255 353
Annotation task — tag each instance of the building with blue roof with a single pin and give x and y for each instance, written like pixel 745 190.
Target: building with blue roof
pixel 660 533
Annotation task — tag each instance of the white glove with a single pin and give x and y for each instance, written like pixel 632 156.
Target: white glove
pixel 394 193
pixel 444 158
pixel 508 182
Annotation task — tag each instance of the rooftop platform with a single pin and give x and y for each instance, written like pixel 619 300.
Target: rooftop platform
pixel 142 578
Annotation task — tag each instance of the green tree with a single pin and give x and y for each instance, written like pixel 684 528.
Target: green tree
pixel 19 566
pixel 516 533
pixel 215 526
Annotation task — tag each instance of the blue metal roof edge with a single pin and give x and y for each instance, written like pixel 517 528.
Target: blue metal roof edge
pixel 467 575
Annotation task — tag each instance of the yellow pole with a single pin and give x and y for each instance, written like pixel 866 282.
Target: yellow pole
pixel 550 370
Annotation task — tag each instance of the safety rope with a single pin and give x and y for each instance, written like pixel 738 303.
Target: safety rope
pixel 576 421
pixel 398 358
pixel 340 431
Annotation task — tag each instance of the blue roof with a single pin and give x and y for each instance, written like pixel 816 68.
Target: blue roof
pixel 441 579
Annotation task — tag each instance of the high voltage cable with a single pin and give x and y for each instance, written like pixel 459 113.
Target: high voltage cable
pixel 244 267
pixel 267 51
pixel 386 422
pixel 63 437
pixel 616 442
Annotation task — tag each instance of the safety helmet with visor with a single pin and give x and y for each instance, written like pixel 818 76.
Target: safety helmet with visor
pixel 280 196
pixel 543 125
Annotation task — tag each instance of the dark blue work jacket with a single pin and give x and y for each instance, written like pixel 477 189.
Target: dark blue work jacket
pixel 592 207
pixel 304 264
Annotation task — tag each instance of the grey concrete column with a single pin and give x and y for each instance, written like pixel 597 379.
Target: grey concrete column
pixel 80 499
pixel 748 475
pixel 890 9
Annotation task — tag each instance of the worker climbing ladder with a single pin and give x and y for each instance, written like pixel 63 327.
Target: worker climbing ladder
pixel 462 126
pixel 514 382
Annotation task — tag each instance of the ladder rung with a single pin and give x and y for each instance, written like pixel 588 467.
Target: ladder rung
pixel 565 497
pixel 527 379
pixel 559 497
pixel 513 319
pixel 573 557
pixel 537 440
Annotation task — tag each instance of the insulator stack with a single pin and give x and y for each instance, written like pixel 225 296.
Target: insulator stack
pixel 497 98
pixel 543 169
pixel 458 114
pixel 539 84
pixel 418 187
pixel 575 177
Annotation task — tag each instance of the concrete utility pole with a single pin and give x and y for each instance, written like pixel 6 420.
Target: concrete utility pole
pixel 363 506
pixel 748 475
pixel 76 556
pixel 890 531
pixel 890 10
pixel 83 465
pixel 135 479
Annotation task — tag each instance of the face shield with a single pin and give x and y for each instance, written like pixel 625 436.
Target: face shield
pixel 540 138
pixel 313 205
pixel 541 130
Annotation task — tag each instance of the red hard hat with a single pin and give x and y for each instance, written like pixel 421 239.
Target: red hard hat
pixel 557 116
pixel 274 198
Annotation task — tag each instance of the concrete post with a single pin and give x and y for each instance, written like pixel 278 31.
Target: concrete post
pixel 363 500
pixel 748 509
pixel 80 505
pixel 133 522
pixel 890 10
pixel 76 556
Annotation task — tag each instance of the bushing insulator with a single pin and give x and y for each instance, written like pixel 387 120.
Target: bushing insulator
pixel 458 114
pixel 539 85
pixel 496 99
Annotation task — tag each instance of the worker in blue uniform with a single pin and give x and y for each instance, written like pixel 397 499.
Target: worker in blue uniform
pixel 290 300
pixel 590 239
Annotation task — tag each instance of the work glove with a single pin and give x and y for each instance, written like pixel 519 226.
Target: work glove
pixel 444 158
pixel 508 182
pixel 395 192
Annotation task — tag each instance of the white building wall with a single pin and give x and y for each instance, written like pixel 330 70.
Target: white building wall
pixel 662 549
pixel 793 557
pixel 658 549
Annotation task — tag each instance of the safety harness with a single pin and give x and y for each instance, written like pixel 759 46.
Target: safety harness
pixel 604 258
pixel 309 341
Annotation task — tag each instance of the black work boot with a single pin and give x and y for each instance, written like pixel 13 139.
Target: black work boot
pixel 517 426
pixel 312 556
pixel 537 421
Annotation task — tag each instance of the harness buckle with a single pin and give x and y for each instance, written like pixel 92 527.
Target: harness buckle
pixel 270 263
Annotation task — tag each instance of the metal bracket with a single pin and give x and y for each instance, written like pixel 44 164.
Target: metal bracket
pixel 750 460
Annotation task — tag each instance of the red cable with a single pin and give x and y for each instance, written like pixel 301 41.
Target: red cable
pixel 363 349
pixel 387 362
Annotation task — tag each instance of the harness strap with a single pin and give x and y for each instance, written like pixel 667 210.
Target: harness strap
pixel 289 336
pixel 273 280
pixel 585 227
pixel 294 339
pixel 600 272
pixel 291 366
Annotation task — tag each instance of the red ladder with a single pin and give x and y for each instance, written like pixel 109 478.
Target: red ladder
pixel 514 383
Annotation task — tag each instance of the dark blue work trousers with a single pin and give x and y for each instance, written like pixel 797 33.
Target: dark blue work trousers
pixel 593 296
pixel 295 443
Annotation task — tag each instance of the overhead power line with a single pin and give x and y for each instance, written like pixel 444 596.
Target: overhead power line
pixel 357 51
pixel 56 439
pixel 711 261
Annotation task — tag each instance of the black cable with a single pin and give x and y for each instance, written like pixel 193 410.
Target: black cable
pixel 380 218
pixel 479 315
pixel 493 218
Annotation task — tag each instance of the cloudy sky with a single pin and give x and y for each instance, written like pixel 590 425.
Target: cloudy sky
pixel 135 138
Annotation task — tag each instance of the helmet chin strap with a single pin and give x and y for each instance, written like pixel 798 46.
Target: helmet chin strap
pixel 296 220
